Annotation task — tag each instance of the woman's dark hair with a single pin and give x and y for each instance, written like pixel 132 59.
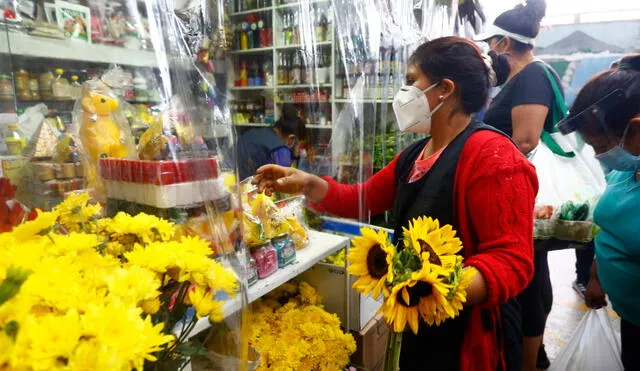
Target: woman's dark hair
pixel 625 76
pixel 290 123
pixel 461 61
pixel 523 20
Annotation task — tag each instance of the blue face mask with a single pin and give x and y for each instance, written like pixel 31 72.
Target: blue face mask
pixel 617 158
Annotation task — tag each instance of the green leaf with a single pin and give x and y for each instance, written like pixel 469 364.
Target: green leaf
pixel 190 350
pixel 11 329
pixel 12 283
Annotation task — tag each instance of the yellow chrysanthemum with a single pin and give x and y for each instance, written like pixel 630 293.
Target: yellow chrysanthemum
pixel 425 234
pixel 204 304
pixel 74 213
pixel 369 260
pixel 42 223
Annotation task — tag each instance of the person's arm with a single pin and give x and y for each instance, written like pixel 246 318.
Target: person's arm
pixel 531 100
pixel 594 296
pixel 281 156
pixel 327 195
pixel 528 121
pixel 500 196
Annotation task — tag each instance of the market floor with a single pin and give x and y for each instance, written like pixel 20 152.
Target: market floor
pixel 568 308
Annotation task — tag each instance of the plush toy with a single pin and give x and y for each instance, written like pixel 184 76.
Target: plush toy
pixel 99 134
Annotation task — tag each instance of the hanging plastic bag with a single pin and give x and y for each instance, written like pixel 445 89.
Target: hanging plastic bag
pixel 594 346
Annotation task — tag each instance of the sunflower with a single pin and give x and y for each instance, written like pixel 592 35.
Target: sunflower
pixel 425 234
pixel 370 260
pixel 457 293
pixel 419 297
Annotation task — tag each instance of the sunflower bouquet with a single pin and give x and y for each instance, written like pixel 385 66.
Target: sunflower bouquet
pixel 421 279
pixel 78 291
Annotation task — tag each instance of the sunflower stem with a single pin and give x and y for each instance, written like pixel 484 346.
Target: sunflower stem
pixel 392 354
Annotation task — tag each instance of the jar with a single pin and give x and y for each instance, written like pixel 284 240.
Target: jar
pixel 267 259
pixel 285 248
pixel 22 84
pixel 252 271
pixel 34 86
pixel 6 88
pixel 14 139
pixel 46 79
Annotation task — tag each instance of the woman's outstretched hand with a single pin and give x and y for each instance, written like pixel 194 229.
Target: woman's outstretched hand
pixel 274 178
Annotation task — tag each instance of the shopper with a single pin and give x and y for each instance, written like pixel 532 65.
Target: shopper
pixel 606 114
pixel 466 174
pixel 261 146
pixel 522 109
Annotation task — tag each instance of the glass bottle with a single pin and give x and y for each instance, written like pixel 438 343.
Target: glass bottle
pixel 296 72
pixel 22 84
pixel 60 86
pixel 34 86
pixel 46 81
pixel 244 37
pixel 282 72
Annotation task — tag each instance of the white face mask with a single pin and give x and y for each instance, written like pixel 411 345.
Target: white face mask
pixel 412 110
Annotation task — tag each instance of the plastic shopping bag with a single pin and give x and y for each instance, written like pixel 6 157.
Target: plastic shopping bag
pixel 569 188
pixel 594 346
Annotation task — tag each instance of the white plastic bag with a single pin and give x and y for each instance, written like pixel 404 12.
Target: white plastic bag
pixel 569 188
pixel 594 346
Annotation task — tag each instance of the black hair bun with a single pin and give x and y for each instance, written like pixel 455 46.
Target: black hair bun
pixel 537 8
pixel 500 64
pixel 631 62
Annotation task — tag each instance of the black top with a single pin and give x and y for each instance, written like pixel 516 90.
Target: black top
pixel 254 150
pixel 529 86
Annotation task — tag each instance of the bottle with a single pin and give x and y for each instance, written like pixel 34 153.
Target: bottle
pixel 296 29
pixel 6 88
pixel 76 88
pixel 257 34
pixel 244 38
pixel 21 79
pixel 296 73
pixel 34 87
pixel 282 71
pixel 251 36
pixel 288 31
pixel 237 30
pixel 263 31
pixel 324 25
pixel 318 26
pixel 243 74
pixel 14 139
pixel 60 86
pixel 267 71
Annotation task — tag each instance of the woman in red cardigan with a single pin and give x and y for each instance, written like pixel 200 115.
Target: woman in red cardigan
pixel 466 174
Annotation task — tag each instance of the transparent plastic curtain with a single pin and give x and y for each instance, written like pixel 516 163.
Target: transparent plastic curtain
pixel 375 41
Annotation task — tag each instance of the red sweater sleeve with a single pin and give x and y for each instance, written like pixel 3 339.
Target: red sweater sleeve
pixel 499 186
pixel 376 195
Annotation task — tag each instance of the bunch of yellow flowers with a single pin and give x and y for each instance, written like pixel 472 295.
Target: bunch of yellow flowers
pixel 291 331
pixel 68 301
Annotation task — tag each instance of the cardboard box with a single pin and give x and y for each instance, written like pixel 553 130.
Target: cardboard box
pixel 371 344
pixel 329 281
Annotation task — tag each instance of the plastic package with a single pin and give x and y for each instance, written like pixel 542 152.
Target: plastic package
pixel 594 346
pixel 569 190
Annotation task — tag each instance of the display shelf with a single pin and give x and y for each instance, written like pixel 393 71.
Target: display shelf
pixel 251 11
pixel 253 50
pixel 303 86
pixel 301 46
pixel 376 101
pixel 254 125
pixel 40 47
pixel 315 126
pixel 261 87
pixel 299 4
pixel 320 246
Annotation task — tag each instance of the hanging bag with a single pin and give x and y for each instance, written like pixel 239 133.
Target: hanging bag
pixel 594 346
pixel 569 177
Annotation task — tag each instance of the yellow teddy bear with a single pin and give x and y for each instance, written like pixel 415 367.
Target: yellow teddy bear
pixel 99 134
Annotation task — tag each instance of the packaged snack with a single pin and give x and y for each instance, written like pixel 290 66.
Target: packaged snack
pixel 285 248
pixel 266 210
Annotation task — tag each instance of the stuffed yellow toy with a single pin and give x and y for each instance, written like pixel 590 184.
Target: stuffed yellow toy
pixel 99 134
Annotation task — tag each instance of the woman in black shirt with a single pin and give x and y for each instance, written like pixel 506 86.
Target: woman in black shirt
pixel 522 109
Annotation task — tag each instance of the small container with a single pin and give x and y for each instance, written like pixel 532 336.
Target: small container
pixel 267 259
pixel 252 271
pixel 65 171
pixel 14 139
pixel 22 84
pixel 6 88
pixel 285 248
pixel 34 86
pixel 43 171
pixel 46 81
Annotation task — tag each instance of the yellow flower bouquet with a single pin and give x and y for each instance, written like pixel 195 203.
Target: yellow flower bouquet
pixel 81 292
pixel 423 279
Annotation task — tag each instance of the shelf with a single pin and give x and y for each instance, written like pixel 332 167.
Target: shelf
pixel 252 51
pixel 262 87
pixel 40 47
pixel 372 101
pixel 293 5
pixel 301 46
pixel 254 125
pixel 314 126
pixel 251 11
pixel 320 246
pixel 304 86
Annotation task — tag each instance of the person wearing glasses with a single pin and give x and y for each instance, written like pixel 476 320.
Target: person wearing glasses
pixel 606 114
